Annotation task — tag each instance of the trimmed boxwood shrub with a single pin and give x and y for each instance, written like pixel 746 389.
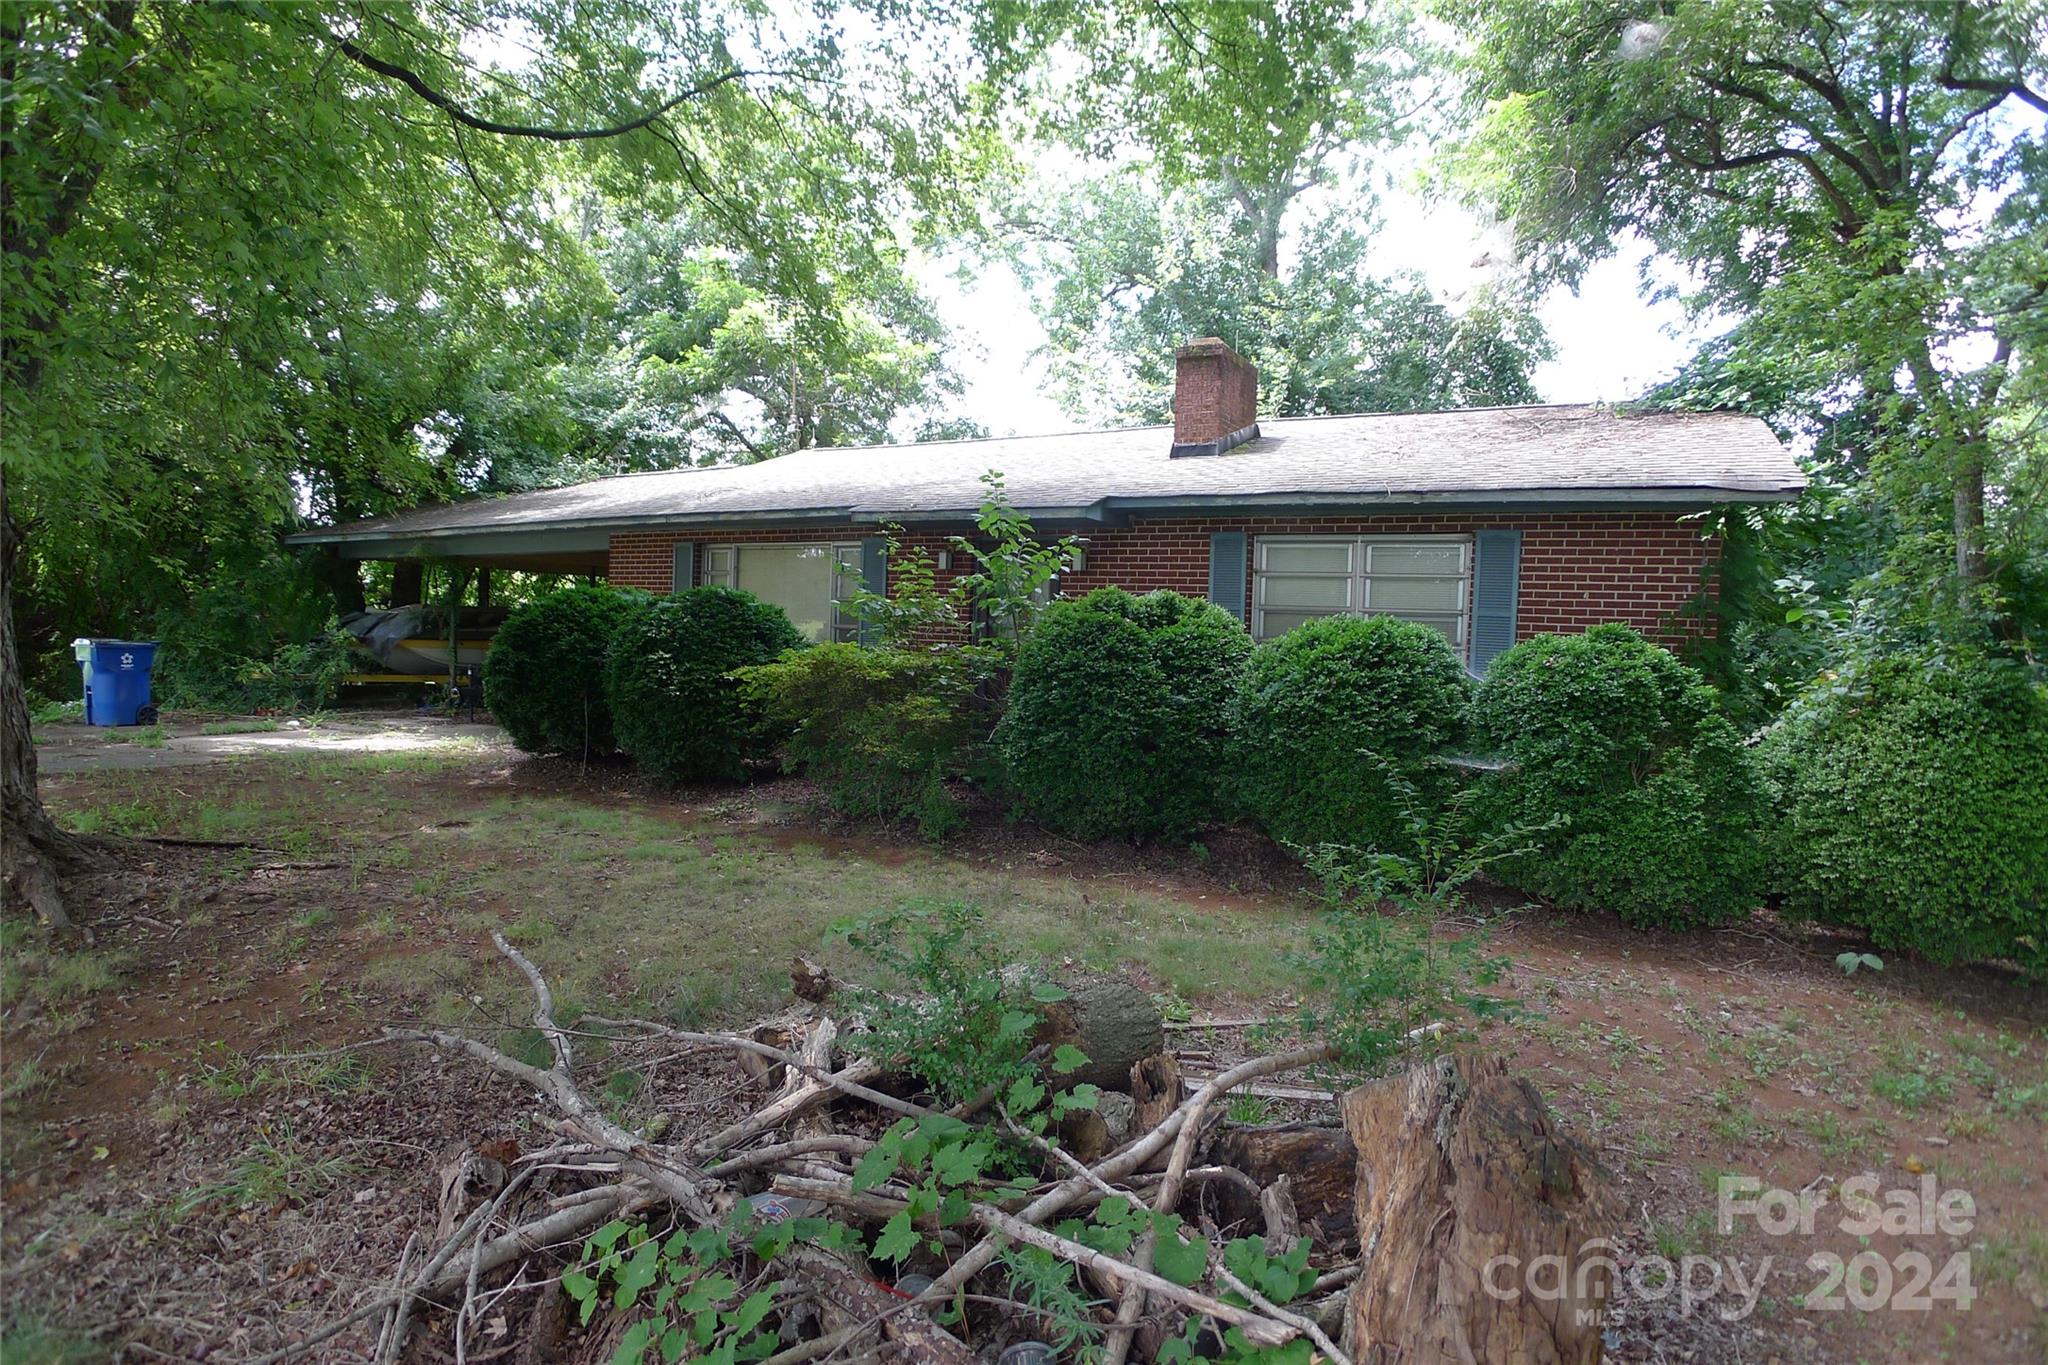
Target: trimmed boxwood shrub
pixel 879 729
pixel 1328 711
pixel 1659 806
pixel 544 676
pixel 1915 806
pixel 1118 712
pixel 675 705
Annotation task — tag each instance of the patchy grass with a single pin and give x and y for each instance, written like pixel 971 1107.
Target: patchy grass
pixel 625 909
pixel 254 726
pixel 1676 1059
pixel 141 736
pixel 35 973
pixel 275 1170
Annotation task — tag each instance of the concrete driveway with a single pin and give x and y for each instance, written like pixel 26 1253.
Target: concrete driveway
pixel 71 748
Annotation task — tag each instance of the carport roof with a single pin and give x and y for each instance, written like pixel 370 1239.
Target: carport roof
pixel 1566 455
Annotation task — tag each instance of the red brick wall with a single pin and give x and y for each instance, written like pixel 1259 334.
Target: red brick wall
pixel 1215 392
pixel 1579 569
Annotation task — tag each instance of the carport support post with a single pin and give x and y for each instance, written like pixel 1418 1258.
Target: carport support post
pixel 483 587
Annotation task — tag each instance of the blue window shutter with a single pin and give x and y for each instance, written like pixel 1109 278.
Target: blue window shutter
pixel 1226 571
pixel 874 575
pixel 684 575
pixel 1496 588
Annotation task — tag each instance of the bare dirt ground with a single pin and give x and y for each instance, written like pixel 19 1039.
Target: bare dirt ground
pixel 183 741
pixel 171 1194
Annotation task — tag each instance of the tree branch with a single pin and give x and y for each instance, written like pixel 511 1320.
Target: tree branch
pixel 416 83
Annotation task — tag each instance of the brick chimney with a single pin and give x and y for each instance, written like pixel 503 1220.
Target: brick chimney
pixel 1215 398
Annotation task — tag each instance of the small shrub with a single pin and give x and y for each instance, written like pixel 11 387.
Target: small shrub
pixel 1655 809
pixel 1334 718
pixel 676 707
pixel 544 676
pixel 1915 806
pixel 879 729
pixel 963 1021
pixel 1118 712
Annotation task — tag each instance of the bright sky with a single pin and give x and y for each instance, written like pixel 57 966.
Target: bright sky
pixel 1611 344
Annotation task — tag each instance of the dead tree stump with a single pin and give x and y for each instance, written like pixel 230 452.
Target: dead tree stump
pixel 1464 1182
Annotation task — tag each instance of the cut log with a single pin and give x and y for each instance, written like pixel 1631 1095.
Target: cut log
pixel 847 1298
pixel 1110 1020
pixel 1320 1165
pixel 1464 1181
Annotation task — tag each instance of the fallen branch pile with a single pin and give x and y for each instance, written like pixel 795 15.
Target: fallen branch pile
pixel 516 1221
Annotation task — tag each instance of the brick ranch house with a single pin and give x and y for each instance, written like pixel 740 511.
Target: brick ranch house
pixel 1490 524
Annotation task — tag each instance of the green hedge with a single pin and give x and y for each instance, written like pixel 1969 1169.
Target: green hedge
pixel 1915 806
pixel 1118 712
pixel 544 676
pixel 1658 807
pixel 1328 712
pixel 881 730
pixel 675 706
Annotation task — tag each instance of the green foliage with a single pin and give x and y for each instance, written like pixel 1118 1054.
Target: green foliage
pixel 1335 727
pixel 1914 805
pixel 1002 579
pixel 57 713
pixel 693 1305
pixel 913 607
pixel 1374 983
pixel 965 1024
pixel 1121 273
pixel 881 730
pixel 1450 846
pixel 246 637
pixel 1856 187
pixel 1118 713
pixel 1646 800
pixel 676 708
pixel 1007 574
pixel 544 675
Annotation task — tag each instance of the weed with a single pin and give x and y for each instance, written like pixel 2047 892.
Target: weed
pixel 275 1170
pixel 1252 1110
pixel 35 1343
pixel 1911 1083
pixel 1835 1140
pixel 57 713
pixel 26 1079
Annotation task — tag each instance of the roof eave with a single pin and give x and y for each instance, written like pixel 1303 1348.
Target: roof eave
pixel 1105 511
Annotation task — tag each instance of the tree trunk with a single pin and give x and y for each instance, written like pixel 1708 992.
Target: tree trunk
pixel 35 849
pixel 1971 566
pixel 343 578
pixel 1482 1222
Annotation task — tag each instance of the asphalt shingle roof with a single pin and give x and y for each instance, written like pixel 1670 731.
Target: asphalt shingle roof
pixel 1578 455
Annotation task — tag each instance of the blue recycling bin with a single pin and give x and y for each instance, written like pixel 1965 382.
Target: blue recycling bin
pixel 116 680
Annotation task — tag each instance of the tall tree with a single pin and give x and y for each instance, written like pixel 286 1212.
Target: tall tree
pixel 1120 274
pixel 1860 186
pixel 181 187
pixel 1261 99
pixel 695 357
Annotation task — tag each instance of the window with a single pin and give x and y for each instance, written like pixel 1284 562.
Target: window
pixel 1417 578
pixel 804 580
